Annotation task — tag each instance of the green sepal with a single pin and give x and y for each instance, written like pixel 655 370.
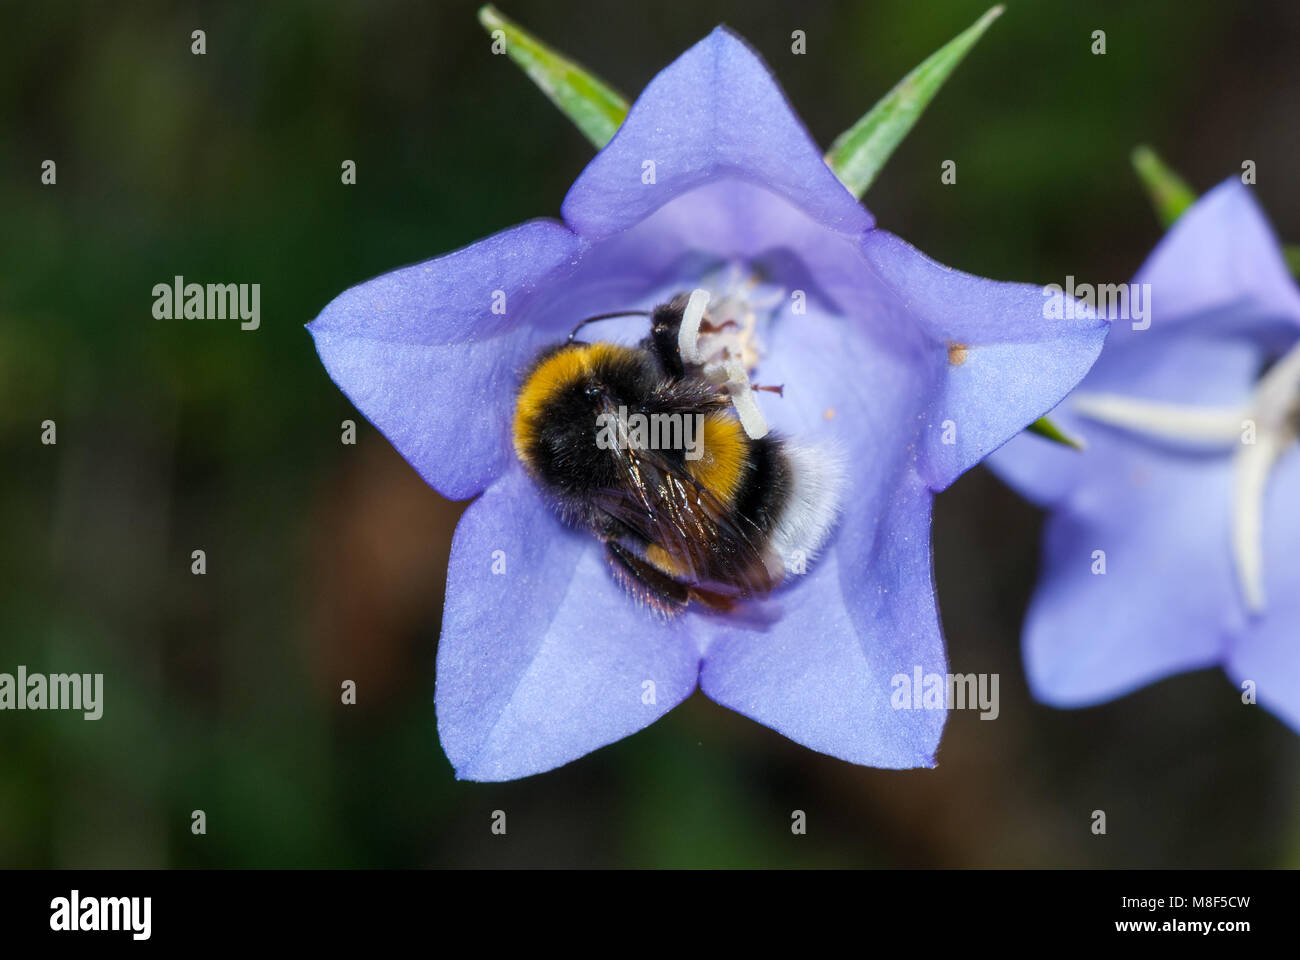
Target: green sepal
pixel 596 108
pixel 859 152
pixel 1049 431
pixel 1169 193
pixel 1171 196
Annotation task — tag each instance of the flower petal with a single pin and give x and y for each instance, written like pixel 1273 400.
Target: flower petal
pixel 821 672
pixel 848 383
pixel 424 357
pixel 1167 368
pixel 1155 610
pixel 1268 652
pixel 715 112
pixel 1220 267
pixel 549 660
pixel 1004 364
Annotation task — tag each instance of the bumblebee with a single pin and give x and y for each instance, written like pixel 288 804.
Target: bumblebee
pixel 714 512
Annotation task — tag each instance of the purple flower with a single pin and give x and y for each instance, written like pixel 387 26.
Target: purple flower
pixel 1173 541
pixel 916 371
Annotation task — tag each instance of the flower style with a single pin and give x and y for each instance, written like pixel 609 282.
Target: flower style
pixel 915 370
pixel 1172 543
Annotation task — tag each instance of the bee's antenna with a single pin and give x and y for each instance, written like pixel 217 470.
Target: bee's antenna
pixel 606 316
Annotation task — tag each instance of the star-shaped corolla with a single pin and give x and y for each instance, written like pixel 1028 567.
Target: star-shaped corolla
pixel 1174 541
pixel 916 371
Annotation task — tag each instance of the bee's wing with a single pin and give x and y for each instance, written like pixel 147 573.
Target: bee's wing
pixel 661 504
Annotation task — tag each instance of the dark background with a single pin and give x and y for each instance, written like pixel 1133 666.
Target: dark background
pixel 326 562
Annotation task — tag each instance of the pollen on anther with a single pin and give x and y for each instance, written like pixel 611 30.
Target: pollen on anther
pixel 956 354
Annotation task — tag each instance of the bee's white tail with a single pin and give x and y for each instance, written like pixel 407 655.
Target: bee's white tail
pixel 813 502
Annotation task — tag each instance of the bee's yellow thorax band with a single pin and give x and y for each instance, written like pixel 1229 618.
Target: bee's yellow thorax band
pixel 550 377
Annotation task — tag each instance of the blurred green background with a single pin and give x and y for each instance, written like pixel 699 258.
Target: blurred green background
pixel 326 562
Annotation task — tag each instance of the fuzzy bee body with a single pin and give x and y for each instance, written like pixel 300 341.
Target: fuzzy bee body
pixel 711 516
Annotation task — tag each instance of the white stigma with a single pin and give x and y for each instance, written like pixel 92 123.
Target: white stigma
pixel 688 334
pixel 734 380
pixel 1210 426
pixel 1260 430
pixel 726 345
pixel 1250 476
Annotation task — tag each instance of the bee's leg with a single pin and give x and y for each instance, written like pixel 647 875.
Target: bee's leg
pixel 647 584
pixel 713 600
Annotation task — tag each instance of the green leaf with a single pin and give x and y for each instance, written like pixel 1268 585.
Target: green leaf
pixel 1050 431
pixel 1170 194
pixel 595 107
pixel 1292 254
pixel 858 153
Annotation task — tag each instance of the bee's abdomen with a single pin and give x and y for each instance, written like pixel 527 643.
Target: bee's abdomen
pixel 785 498
pixel 763 490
